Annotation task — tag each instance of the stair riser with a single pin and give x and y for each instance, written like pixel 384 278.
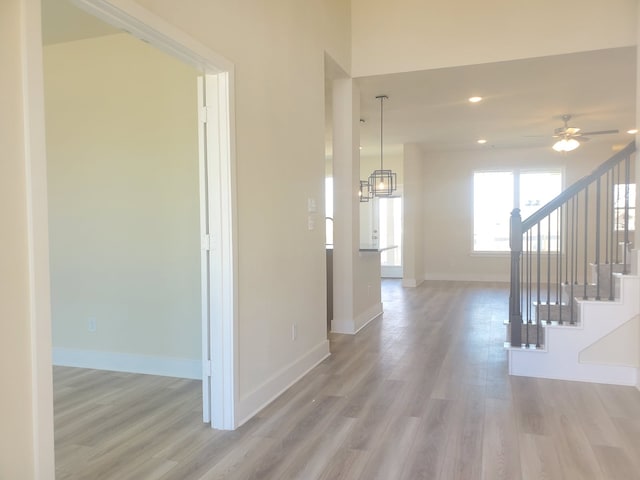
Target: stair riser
pixel 556 313
pixel 604 270
pixel 592 291
pixel 532 330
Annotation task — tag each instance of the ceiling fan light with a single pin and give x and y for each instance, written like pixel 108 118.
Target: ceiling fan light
pixel 566 145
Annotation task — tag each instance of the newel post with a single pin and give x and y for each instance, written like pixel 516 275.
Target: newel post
pixel 515 244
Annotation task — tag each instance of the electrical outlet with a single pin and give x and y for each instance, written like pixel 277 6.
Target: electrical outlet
pixel 294 331
pixel 92 325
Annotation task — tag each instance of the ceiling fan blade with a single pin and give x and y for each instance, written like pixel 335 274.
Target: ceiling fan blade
pixel 601 132
pixel 582 139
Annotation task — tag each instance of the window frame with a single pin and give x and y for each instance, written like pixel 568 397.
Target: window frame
pixel 515 172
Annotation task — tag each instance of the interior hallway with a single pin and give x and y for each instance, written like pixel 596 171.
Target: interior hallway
pixel 421 393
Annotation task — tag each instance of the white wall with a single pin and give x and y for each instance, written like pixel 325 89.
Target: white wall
pixel 392 161
pixel 448 205
pixel 620 347
pixel 16 447
pixel 122 151
pixel 409 35
pixel 413 221
pixel 278 50
pixel 26 419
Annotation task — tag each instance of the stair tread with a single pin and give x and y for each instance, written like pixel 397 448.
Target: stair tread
pixel 524 346
pixel 545 323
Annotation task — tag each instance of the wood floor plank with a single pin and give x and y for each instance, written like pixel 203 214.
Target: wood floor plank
pixel 539 458
pixel 420 393
pixel 500 453
pixel 615 463
pixel 427 452
pixel 463 458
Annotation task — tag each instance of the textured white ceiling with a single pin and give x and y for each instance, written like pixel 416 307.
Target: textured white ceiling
pixel 523 102
pixel 523 99
pixel 63 22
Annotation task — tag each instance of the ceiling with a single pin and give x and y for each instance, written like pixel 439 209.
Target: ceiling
pixel 63 22
pixel 523 100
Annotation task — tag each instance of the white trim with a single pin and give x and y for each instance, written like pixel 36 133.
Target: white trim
pixel 42 429
pixel 222 254
pixel 273 387
pixel 412 282
pixel 128 362
pixel 468 277
pixel 205 246
pixel 141 23
pixel 351 327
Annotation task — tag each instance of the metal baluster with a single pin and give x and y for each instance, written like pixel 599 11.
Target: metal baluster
pixel 529 289
pixel 530 270
pixel 615 211
pixel 586 237
pixel 559 260
pixel 606 221
pixel 612 227
pixel 549 266
pixel 574 259
pixel 598 239
pixel 576 206
pixel 538 320
pixel 566 258
pixel 559 253
pixel 522 292
pixel 627 179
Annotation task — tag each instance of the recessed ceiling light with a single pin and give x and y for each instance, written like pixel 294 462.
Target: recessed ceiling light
pixel 482 141
pixel 360 147
pixel 633 131
pixel 475 99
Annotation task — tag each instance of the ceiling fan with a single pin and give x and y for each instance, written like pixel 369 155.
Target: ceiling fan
pixel 571 137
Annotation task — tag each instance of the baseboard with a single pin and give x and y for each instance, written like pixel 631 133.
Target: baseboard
pixel 468 277
pixel 412 282
pixel 368 316
pixel 127 362
pixel 351 327
pixel 591 373
pixel 252 403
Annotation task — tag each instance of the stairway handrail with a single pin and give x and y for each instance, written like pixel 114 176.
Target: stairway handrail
pixel 578 186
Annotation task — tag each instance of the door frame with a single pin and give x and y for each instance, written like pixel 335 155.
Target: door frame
pixel 219 320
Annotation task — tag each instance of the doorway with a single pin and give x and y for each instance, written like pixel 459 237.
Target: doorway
pixel 390 233
pixel 217 202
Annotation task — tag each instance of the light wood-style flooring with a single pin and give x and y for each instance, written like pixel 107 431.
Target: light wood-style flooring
pixel 421 393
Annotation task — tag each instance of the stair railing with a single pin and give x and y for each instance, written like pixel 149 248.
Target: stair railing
pixel 586 229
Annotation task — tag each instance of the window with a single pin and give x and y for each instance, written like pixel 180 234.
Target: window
pixel 618 206
pixel 496 194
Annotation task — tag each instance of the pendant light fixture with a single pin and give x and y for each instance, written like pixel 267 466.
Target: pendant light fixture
pixel 382 183
pixel 365 192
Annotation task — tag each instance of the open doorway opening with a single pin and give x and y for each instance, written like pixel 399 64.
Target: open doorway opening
pixel 390 232
pixel 124 200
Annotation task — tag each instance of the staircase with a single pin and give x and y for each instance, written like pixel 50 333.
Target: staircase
pixel 574 279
